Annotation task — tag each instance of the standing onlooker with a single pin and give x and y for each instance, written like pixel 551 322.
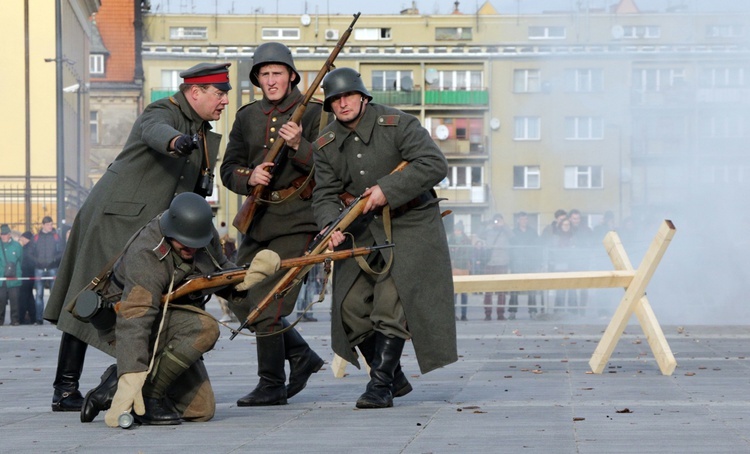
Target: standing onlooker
pixel 411 297
pixel 561 251
pixel 26 303
pixel 170 150
pixel 10 263
pixel 47 250
pixel 497 241
pixel 461 260
pixel 284 223
pixel 554 226
pixel 583 238
pixel 526 257
pixel 310 292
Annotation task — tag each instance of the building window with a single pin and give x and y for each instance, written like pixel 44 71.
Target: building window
pixel 280 33
pixel 457 80
pixel 452 33
pixel 583 177
pixel 372 34
pixel 527 128
pixel 725 31
pixel 653 80
pixel 96 64
pixel 306 78
pixel 549 32
pixel 465 177
pixel 584 128
pixel 527 81
pixel 583 80
pixel 391 80
pixel 724 175
pixel 170 79
pixel 722 77
pixel 641 31
pixel 188 33
pixel 526 177
pixel 94 127
pixel 722 125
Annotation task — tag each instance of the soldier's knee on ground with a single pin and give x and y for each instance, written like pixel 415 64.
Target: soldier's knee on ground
pixel 202 406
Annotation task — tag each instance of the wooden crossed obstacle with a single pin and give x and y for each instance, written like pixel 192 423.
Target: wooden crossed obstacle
pixel 634 281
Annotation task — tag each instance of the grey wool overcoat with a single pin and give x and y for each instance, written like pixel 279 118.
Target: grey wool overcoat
pixel 138 185
pixel 352 161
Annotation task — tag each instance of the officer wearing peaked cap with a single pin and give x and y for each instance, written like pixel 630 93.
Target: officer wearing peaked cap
pixel 170 150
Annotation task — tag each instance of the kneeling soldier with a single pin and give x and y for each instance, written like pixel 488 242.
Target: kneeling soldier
pixel 159 372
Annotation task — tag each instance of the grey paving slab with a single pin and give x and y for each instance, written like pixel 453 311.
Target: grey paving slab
pixel 519 386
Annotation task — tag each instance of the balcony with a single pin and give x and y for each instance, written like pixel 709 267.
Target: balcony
pixel 397 98
pixel 458 148
pixel 457 98
pixel 161 92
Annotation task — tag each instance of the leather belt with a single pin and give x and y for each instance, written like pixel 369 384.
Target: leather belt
pixel 419 200
pixel 281 194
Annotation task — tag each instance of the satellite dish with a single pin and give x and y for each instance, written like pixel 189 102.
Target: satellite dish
pixel 495 124
pixel 431 76
pixel 442 132
pixel 305 20
pixel 407 84
pixel 618 32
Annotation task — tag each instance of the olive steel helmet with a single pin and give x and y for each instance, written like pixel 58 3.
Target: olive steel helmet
pixel 188 220
pixel 340 81
pixel 269 53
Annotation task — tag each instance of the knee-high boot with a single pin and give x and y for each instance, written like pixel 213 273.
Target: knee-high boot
pixel 271 389
pixel 100 398
pixel 387 355
pixel 303 361
pixel 69 368
pixel 401 385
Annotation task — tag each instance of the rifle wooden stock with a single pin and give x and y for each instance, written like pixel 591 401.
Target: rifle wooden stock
pixel 247 211
pixel 319 246
pixel 237 275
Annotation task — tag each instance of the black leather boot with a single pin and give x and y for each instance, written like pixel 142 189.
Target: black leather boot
pixel 100 398
pixel 401 385
pixel 69 367
pixel 303 361
pixel 387 355
pixel 158 413
pixel 271 389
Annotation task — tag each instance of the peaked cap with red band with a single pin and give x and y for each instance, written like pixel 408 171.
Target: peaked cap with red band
pixel 216 74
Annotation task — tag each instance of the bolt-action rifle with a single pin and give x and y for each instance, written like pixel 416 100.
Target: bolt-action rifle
pixel 211 283
pixel 249 208
pixel 318 246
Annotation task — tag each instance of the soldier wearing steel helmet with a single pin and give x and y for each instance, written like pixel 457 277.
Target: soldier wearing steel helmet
pixel 159 371
pixel 411 297
pixel 285 224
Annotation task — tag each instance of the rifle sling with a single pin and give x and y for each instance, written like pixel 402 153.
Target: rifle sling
pixel 387 227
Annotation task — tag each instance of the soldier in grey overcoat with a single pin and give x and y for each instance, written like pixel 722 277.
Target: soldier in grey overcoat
pixel 284 221
pixel 161 159
pixel 412 297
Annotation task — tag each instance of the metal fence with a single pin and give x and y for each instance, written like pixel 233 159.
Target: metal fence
pixel 42 198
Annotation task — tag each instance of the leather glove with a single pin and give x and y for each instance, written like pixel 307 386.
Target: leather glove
pixel 127 397
pixel 185 144
pixel 265 263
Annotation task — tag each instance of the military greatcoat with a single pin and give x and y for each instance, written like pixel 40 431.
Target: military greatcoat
pixel 285 228
pixel 137 186
pixel 352 161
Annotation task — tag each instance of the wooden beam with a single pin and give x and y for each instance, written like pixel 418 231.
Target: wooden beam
pixel 542 281
pixel 646 317
pixel 633 295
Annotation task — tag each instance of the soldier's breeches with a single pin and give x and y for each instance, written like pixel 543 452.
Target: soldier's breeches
pixel 373 306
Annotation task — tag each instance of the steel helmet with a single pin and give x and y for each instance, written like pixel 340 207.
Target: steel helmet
pixel 269 53
pixel 188 220
pixel 340 81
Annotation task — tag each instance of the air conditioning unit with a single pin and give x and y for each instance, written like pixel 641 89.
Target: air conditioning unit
pixel 332 35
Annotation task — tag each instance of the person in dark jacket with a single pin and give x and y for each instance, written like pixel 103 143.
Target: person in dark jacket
pixel 26 303
pixel 47 249
pixel 10 263
pixel 170 150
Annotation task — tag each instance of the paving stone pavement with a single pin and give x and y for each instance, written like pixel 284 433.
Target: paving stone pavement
pixel 519 386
